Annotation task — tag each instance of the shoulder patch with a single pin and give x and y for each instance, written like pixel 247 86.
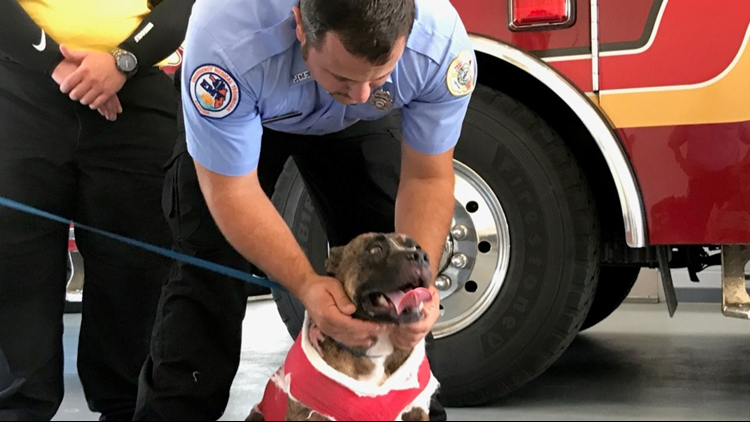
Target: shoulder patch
pixel 460 77
pixel 214 91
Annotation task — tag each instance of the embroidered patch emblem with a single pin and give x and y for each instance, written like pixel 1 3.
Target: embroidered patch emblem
pixel 381 100
pixel 214 92
pixel 460 77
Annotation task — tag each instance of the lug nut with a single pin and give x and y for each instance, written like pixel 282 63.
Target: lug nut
pixel 443 283
pixel 459 260
pixel 459 232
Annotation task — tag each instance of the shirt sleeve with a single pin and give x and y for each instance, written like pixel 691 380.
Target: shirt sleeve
pixel 24 42
pixel 222 123
pixel 432 122
pixel 161 32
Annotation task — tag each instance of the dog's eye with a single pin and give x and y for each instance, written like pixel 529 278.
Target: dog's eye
pixel 375 249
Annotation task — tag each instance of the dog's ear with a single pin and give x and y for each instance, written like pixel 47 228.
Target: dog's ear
pixel 334 260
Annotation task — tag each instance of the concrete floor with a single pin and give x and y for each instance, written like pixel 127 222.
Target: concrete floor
pixel 637 365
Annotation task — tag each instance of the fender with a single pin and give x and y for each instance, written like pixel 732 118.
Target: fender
pixel 636 227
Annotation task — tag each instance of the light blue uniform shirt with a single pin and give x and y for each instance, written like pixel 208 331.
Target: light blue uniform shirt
pixel 243 71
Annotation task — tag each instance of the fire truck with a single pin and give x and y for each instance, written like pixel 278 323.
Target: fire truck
pixel 603 137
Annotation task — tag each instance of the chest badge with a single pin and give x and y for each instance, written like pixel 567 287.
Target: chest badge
pixel 381 100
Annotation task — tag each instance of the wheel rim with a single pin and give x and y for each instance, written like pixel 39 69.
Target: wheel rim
pixel 476 257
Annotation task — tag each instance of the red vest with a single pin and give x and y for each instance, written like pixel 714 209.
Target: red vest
pixel 300 379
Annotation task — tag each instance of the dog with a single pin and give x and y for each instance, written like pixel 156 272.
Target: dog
pixel 386 276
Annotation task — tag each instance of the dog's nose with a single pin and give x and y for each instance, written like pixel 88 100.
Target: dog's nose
pixel 419 256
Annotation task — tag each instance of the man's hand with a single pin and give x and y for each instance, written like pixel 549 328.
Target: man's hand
pixel 95 81
pixel 330 308
pixel 110 109
pixel 406 337
pixel 64 69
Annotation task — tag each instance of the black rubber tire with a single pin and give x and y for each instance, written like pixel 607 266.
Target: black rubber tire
pixel 554 252
pixel 615 284
pixel 295 205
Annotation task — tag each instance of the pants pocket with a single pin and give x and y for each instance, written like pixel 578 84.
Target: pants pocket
pixel 170 194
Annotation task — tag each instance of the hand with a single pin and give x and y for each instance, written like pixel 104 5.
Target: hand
pixel 406 337
pixel 64 69
pixel 95 81
pixel 111 108
pixel 330 308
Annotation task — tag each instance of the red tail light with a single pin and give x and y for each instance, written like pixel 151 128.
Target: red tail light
pixel 526 14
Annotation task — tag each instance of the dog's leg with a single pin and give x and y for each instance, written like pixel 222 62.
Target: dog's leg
pixel 296 411
pixel 415 414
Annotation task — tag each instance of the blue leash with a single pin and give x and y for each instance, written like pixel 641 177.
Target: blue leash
pixel 207 265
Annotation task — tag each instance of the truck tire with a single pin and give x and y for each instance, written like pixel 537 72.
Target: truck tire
pixel 615 284
pixel 525 241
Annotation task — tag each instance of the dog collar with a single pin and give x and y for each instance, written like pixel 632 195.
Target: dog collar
pixel 316 337
pixel 355 352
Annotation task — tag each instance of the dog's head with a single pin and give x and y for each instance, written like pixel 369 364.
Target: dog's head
pixel 385 275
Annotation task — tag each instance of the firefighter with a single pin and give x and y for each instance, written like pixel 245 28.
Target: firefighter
pixel 88 122
pixel 320 81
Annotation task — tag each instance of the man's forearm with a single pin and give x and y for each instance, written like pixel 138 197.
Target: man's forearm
pixel 424 209
pixel 160 33
pixel 22 40
pixel 251 224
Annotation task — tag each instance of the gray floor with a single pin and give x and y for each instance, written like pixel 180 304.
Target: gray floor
pixel 637 365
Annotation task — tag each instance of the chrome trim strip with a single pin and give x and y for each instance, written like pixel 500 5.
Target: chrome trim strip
pixel 595 47
pixel 614 154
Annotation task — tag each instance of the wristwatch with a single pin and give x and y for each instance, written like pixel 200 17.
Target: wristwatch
pixel 125 61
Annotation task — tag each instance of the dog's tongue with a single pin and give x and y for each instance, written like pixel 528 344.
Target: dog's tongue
pixel 409 300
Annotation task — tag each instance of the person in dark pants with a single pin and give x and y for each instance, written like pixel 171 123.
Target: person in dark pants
pixel 97 156
pixel 367 154
pixel 265 82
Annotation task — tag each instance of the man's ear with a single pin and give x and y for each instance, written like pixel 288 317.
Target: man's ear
pixel 334 260
pixel 300 29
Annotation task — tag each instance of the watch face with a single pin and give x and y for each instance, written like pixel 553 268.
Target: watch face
pixel 126 62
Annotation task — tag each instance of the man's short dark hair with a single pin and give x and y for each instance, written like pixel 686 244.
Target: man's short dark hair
pixel 367 28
